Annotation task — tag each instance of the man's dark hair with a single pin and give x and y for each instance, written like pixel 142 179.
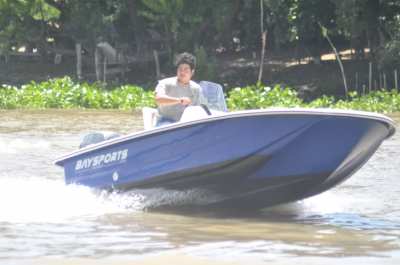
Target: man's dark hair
pixel 186 58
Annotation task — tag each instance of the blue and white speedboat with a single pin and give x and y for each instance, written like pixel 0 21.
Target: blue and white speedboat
pixel 248 159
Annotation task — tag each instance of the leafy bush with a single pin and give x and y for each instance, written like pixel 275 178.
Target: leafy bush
pixel 65 93
pixel 377 101
pixel 257 96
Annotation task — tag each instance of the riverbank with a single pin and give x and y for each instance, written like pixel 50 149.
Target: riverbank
pixel 231 70
pixel 65 93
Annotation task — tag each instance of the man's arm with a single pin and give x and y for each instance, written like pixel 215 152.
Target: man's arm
pixel 167 100
pixel 163 99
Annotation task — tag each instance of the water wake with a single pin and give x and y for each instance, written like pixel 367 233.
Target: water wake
pixel 39 199
pixel 17 145
pixel 35 199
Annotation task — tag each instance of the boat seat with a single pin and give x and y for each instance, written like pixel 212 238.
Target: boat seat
pixel 214 94
pixel 150 117
pixel 97 137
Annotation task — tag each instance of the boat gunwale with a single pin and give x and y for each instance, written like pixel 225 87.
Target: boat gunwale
pixel 230 115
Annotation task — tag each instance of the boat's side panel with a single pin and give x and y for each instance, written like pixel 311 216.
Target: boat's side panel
pixel 264 189
pixel 371 134
pixel 197 146
pixel 218 154
pixel 304 166
pixel 259 160
pixel 345 143
pixel 322 146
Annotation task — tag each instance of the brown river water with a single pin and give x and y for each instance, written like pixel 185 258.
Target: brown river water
pixel 43 221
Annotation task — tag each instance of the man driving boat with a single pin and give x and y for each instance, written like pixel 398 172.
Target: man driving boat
pixel 174 94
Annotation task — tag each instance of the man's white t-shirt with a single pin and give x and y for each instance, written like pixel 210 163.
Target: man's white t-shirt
pixel 171 87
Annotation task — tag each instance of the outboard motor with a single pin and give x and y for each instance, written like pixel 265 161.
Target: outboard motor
pixel 97 137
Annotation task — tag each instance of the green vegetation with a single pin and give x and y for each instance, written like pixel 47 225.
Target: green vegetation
pixel 184 25
pixel 65 93
pixel 49 31
pixel 257 97
pixel 254 97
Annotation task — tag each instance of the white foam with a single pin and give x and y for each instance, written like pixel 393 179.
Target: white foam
pixel 14 146
pixel 34 199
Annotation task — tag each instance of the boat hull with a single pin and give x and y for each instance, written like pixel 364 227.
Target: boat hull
pixel 249 160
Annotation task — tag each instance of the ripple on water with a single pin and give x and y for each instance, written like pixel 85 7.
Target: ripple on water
pixel 41 216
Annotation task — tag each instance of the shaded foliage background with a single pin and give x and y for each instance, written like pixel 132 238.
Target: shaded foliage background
pixel 185 24
pixel 205 27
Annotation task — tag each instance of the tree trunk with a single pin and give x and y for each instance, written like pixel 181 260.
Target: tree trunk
pixel 325 34
pixel 97 64
pixel 264 40
pixel 226 36
pixel 136 24
pixel 373 9
pixel 78 48
pixel 157 64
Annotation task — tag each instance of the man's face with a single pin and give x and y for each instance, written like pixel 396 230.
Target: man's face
pixel 184 73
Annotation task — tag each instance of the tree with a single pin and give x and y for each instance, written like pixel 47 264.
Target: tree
pixel 326 35
pixel 88 20
pixel 165 14
pixel 25 23
pixel 367 22
pixel 304 17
